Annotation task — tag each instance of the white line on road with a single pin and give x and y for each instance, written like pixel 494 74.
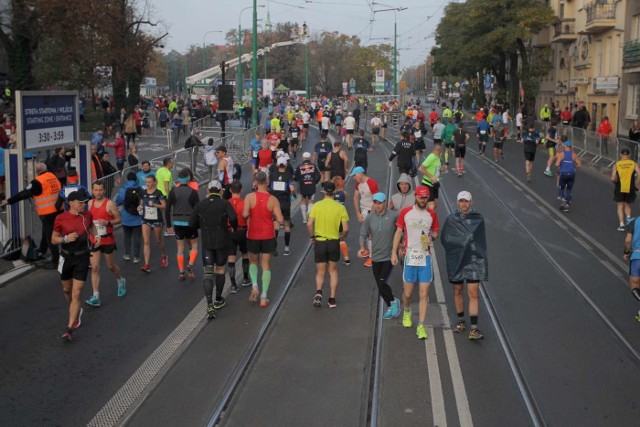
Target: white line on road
pixel 435 382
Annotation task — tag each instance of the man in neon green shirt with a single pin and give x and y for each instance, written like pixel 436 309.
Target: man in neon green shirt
pixel 165 182
pixel 328 223
pixel 446 115
pixel 430 169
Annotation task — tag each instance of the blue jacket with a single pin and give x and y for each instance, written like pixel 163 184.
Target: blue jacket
pixel 128 219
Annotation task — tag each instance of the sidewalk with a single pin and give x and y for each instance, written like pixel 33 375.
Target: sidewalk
pixel 10 270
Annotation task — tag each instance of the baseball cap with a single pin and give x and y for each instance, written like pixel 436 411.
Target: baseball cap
pixel 379 197
pixel 281 161
pixel 328 187
pixel 306 155
pixel 215 186
pixel 422 191
pixel 357 170
pixel 567 144
pixel 280 154
pixel 464 195
pixel 78 196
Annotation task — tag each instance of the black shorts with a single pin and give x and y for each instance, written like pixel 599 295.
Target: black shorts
pixel 461 151
pixel 628 198
pixel 433 191
pixel 307 196
pixel 294 142
pixel 327 250
pixel 185 232
pixel 350 131
pixel 420 145
pixel 321 166
pixel 217 257
pixel 238 241
pixel 305 125
pixel 265 246
pixel 75 267
pixel 483 137
pixel 384 126
pixel 375 131
pixel 437 140
pixel 498 145
pixel 285 207
pixel 105 249
pixel 529 156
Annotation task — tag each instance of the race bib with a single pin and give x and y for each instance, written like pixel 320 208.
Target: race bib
pixel 294 134
pixel 417 134
pixel 416 258
pixel 100 229
pixel 263 169
pixel 278 185
pixel 60 264
pixel 482 132
pixel 69 190
pixel 150 213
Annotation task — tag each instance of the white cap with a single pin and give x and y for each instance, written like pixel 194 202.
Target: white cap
pixel 215 185
pixel 281 161
pixel 464 195
pixel 306 155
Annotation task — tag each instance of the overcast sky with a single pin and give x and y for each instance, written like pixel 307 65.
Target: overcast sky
pixel 189 20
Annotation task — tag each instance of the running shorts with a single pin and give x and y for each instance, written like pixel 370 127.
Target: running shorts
pixel 265 246
pixel 185 232
pixel 327 250
pixel 418 274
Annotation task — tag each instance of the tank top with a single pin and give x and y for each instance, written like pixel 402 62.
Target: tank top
pixel 238 206
pixel 567 165
pixel 625 170
pixel 105 232
pixel 336 165
pixel 261 219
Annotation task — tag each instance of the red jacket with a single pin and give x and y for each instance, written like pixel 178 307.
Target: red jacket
pixel 120 148
pixel 566 116
pixel 605 128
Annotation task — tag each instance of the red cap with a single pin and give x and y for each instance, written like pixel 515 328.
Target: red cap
pixel 422 191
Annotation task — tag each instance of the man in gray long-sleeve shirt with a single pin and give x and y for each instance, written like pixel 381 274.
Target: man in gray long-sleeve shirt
pixel 380 226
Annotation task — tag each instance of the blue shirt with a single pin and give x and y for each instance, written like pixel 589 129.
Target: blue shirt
pixel 127 218
pixel 142 178
pixel 483 125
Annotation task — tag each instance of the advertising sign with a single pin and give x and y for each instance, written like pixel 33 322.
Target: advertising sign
pixel 48 119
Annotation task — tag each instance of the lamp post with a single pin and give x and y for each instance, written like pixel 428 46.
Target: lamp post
pixel 254 66
pixel 240 43
pixel 395 44
pixel 204 59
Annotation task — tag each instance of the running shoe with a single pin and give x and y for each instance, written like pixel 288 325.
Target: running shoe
pixel 211 312
pixel 253 296
pixel 287 251
pixel 146 268
pixel 621 228
pixel 190 272
pixel 363 254
pixel 67 337
pixel 368 262
pixel 548 172
pixel 317 300
pixel 136 260
pixel 395 308
pixel 234 289
pixel 246 282
pixel 346 262
pixel 164 261
pixel 460 327
pixel 167 234
pixel 406 319
pixel 219 303
pixel 94 301
pixel 332 303
pixel 387 314
pixel 528 177
pixel 421 332
pixel 126 257
pixel 181 276
pixel 78 321
pixel 122 287
pixel 475 334
pixel 264 302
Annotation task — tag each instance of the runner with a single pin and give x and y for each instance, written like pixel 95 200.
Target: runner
pixel 419 131
pixel 376 125
pixel 625 177
pixel 365 188
pixel 259 208
pixel 281 186
pixel 129 198
pixel 72 231
pixel 255 145
pixel 499 133
pixel 465 244
pixel 460 139
pixel 181 202
pixel 418 225
pixel 238 239
pixel 105 215
pixel 405 196
pixel 567 161
pixel 340 196
pixel 294 138
pixel 449 144
pixel 328 223
pixel 406 153
pixel 142 175
pixel 380 228
pixel 216 218
pixel 265 157
pixel 322 150
pixel 430 170
pixel 350 126
pixel 483 136
pixel 530 140
pixel 153 202
pixel 305 124
pixel 164 181
pixel 337 161
pixel 438 129
pixel 307 177
pixel 551 144
pixel 226 170
pixel 362 147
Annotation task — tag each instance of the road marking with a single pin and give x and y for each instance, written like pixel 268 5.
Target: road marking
pixel 587 247
pixel 435 382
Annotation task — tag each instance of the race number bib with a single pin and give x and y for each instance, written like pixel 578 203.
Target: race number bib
pixel 417 134
pixel 416 258
pixel 294 134
pixel 100 229
pixel 60 264
pixel 150 213
pixel 278 185
pixel 69 190
pixel 482 132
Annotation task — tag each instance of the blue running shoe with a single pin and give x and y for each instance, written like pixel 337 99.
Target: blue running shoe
pixel 387 314
pixel 395 308
pixel 122 287
pixel 94 301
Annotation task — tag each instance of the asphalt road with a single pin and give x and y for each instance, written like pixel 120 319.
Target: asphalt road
pixel 563 332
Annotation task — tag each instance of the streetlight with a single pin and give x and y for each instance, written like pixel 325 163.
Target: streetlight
pixel 204 61
pixel 240 43
pixel 254 67
pixel 395 42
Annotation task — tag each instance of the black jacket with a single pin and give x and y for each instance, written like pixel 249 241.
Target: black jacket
pixel 214 216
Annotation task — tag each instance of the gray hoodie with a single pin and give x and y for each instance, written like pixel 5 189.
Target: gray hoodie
pixel 402 200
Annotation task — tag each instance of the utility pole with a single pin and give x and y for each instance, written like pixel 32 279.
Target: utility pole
pixel 254 67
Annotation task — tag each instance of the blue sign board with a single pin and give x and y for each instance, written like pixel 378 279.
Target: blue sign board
pixel 387 85
pixel 48 119
pixel 487 82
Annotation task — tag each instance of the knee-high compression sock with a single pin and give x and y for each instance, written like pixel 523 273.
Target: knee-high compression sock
pixel 231 267
pixel 303 211
pixel 266 281
pixel 446 156
pixel 245 268
pixel 208 286
pixel 180 260
pixel 287 238
pixel 193 256
pixel 253 272
pixel 344 249
pixel 219 285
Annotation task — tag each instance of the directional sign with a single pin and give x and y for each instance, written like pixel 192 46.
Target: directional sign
pixel 457 84
pixel 443 84
pixel 48 119
pixel 403 84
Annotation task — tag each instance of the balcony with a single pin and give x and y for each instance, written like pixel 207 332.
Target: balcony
pixel 631 55
pixel 564 31
pixel 601 16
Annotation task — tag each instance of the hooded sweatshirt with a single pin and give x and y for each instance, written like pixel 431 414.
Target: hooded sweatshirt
pixel 402 200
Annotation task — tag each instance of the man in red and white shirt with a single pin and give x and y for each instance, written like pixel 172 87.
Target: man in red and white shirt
pixel 418 224
pixel 366 187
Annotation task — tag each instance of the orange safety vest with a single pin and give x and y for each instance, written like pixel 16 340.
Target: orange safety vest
pixel 46 202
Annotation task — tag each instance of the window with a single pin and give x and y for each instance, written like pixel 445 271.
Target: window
pixel 632 101
pixel 635 28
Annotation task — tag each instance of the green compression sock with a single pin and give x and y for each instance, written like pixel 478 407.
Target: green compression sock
pixel 253 273
pixel 266 281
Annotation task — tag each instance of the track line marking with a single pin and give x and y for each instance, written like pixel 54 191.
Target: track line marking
pixel 435 382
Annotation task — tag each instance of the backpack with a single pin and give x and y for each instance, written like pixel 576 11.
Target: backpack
pixel 132 198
